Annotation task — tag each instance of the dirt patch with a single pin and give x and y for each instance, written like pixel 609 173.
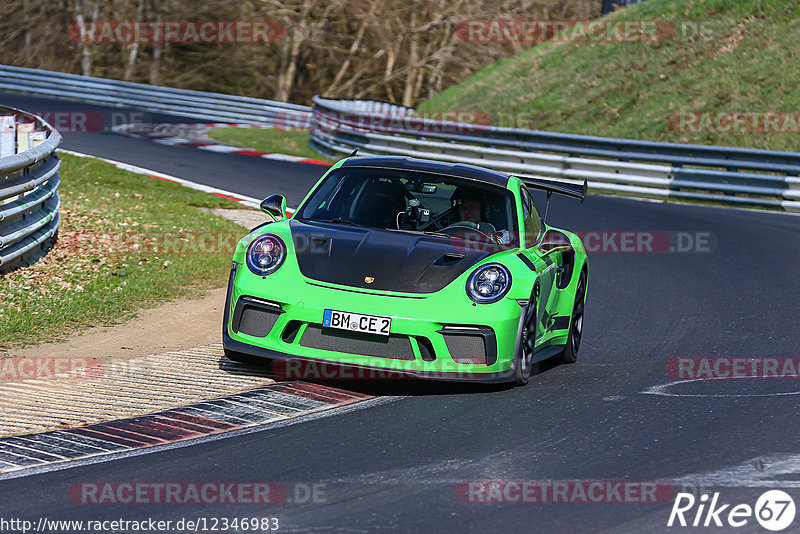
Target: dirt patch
pixel 167 356
pixel 173 326
pixel 247 218
pixel 177 325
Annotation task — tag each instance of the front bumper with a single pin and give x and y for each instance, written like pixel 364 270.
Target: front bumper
pixel 354 371
pixel 422 330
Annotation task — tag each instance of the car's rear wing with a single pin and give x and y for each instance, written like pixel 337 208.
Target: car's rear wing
pixel 559 187
pixel 555 186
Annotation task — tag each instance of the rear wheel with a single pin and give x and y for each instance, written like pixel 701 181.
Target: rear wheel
pixel 570 352
pixel 527 344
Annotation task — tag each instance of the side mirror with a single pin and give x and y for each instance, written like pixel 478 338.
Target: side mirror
pixel 275 207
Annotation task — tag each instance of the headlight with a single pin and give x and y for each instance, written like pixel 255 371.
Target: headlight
pixel 265 254
pixel 489 283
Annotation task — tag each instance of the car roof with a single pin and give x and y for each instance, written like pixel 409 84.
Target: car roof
pixel 459 170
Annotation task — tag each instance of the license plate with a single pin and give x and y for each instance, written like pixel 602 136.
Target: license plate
pixel 356 322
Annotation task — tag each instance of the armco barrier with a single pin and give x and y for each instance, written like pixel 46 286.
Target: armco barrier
pixel 644 169
pixel 28 187
pixel 725 175
pixel 210 106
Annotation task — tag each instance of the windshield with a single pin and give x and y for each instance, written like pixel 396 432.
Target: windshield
pixel 399 200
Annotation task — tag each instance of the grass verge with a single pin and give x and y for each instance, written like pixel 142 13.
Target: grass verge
pixel 269 140
pixel 125 242
pixel 724 56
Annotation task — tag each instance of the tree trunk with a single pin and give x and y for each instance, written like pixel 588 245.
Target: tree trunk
pixel 285 88
pixel 85 51
pixel 413 58
pixel 155 61
pixel 134 48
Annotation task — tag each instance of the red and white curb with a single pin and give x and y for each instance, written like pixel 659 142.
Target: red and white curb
pixel 139 132
pixel 249 409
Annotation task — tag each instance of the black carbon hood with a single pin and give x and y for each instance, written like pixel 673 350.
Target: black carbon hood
pixel 396 261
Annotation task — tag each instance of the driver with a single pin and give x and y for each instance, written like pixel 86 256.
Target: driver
pixel 469 206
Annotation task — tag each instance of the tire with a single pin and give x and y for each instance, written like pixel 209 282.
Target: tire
pixel 527 342
pixel 570 352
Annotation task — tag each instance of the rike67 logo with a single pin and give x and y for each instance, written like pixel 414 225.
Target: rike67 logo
pixel 774 510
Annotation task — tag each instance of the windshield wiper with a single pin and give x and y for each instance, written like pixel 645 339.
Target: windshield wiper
pixel 435 234
pixel 424 232
pixel 335 221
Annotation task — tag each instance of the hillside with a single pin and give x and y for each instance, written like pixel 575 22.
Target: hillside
pixel 723 56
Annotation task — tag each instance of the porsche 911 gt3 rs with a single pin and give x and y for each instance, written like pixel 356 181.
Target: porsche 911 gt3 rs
pixel 422 268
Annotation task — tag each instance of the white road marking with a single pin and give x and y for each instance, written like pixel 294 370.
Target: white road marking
pixel 220 148
pixel 760 472
pixel 661 389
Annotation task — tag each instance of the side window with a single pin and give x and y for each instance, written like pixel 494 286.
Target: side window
pixel 531 219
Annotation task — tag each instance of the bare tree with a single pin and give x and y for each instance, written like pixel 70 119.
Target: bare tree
pixel 402 51
pixel 85 13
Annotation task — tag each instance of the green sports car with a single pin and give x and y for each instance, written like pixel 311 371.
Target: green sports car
pixel 412 267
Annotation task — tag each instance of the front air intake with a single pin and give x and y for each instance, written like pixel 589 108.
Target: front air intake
pixel 394 346
pixel 255 317
pixel 466 349
pixel 472 345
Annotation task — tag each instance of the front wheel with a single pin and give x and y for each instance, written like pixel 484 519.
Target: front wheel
pixel 570 352
pixel 527 344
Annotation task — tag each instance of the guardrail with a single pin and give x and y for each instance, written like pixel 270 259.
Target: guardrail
pixel 28 187
pixel 210 106
pixel 643 169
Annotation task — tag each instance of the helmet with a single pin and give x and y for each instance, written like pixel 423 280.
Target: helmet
pixel 462 194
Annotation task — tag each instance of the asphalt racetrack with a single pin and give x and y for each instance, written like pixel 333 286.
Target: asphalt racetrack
pixel 728 288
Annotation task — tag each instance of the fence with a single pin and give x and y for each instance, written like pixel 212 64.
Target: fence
pixel 644 169
pixel 28 187
pixel 210 106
